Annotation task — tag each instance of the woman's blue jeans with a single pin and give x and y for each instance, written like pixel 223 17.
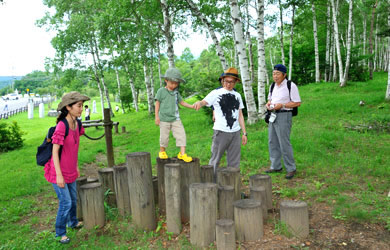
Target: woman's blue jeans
pixel 66 214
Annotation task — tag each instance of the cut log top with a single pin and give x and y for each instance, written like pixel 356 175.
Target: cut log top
pixel 194 161
pixel 247 203
pixel 226 188
pixel 203 185
pixel 92 179
pixel 207 166
pixel 224 222
pixel 293 204
pixel 258 189
pixel 81 178
pixel 105 170
pixel 137 154
pixel 229 169
pixel 91 185
pixel 259 176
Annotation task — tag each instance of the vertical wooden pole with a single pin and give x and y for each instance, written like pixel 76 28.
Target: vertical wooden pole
pixel 230 176
pixel 160 179
pixel 92 199
pixel 106 178
pixel 263 180
pixel 207 173
pixel 172 197
pixel 79 182
pixel 108 132
pixel 225 234
pixel 190 173
pixel 122 193
pixel 225 202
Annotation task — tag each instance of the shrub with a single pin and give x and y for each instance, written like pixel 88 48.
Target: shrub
pixel 10 136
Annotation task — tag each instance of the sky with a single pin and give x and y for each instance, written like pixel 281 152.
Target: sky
pixel 24 46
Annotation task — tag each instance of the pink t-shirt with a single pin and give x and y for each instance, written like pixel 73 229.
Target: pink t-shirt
pixel 69 155
pixel 280 94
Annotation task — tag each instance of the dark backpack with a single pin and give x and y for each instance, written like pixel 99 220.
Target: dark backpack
pixel 44 152
pixel 295 110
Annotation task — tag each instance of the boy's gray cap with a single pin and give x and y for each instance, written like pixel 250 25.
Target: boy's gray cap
pixel 70 98
pixel 173 74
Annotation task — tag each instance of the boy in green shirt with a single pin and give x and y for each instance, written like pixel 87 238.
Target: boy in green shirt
pixel 167 114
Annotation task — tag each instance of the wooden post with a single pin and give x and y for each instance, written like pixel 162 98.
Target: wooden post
pixel 230 176
pixel 160 182
pixel 172 197
pixel 139 168
pixel 155 190
pixel 92 180
pixel 79 182
pixel 263 180
pixel 123 129
pixel 203 213
pixel 108 136
pixel 258 193
pixel 296 216
pixel 190 173
pixel 116 128
pixel 207 173
pixel 106 178
pixel 225 202
pixel 225 234
pixel 122 192
pixel 248 220
pixel 92 200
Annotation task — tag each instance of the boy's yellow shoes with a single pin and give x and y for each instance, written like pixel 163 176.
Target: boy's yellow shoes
pixel 184 157
pixel 163 155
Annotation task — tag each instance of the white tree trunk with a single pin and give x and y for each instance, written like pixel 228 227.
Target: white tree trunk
pixel 195 10
pixel 132 87
pixel 337 42
pixel 151 72
pixel 159 63
pixel 353 35
pixel 118 81
pixel 376 44
pixel 95 71
pixel 327 64
pixel 388 59
pixel 290 58
pixel 249 41
pixel 316 53
pixel 349 37
pixel 243 62
pixel 168 34
pixel 364 38
pixel 262 71
pixel 149 93
pixel 281 32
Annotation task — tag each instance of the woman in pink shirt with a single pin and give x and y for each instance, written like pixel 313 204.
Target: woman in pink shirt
pixel 62 169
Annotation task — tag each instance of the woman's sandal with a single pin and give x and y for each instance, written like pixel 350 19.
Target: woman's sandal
pixel 65 241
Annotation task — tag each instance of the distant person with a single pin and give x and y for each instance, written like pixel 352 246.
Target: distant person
pixel 62 169
pixel 116 108
pixel 229 121
pixel 281 102
pixel 5 106
pixel 167 115
pixel 87 113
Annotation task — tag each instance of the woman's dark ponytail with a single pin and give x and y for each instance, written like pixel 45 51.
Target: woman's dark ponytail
pixel 63 114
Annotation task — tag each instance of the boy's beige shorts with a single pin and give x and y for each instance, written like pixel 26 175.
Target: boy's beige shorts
pixel 178 132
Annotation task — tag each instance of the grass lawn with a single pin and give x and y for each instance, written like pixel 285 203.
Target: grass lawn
pixel 344 170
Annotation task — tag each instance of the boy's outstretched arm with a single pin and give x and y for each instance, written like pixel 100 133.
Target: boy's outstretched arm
pixel 184 104
pixel 156 110
pixel 197 105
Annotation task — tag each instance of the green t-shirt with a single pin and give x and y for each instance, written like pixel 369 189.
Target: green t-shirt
pixel 169 104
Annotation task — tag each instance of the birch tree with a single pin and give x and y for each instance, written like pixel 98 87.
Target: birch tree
pixel 168 33
pixel 337 41
pixel 290 57
pixel 243 61
pixel 195 10
pixel 327 55
pixel 316 53
pixel 371 34
pixel 387 96
pixel 262 71
pixel 281 32
pixel 349 38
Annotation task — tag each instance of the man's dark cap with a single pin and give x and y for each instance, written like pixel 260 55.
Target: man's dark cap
pixel 281 68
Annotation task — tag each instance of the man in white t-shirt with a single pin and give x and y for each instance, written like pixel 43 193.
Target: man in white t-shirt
pixel 281 102
pixel 229 120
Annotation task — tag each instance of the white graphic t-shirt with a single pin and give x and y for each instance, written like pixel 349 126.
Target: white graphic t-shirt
pixel 226 109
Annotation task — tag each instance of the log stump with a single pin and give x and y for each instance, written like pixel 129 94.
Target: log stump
pixel 258 193
pixel 92 179
pixel 296 216
pixel 263 180
pixel 92 200
pixel 225 234
pixel 106 178
pixel 203 213
pixel 155 190
pixel 123 129
pixel 190 173
pixel 160 182
pixel 172 197
pixel 225 202
pixel 230 176
pixel 207 173
pixel 79 182
pixel 139 168
pixel 248 219
pixel 122 192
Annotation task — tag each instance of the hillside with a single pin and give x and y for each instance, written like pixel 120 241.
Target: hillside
pixel 7 80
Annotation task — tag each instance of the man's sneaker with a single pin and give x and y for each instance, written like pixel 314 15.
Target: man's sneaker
pixel 184 157
pixel 290 175
pixel 163 155
pixel 270 171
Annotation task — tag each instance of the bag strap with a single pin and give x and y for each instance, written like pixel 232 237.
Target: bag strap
pixel 66 127
pixel 289 88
